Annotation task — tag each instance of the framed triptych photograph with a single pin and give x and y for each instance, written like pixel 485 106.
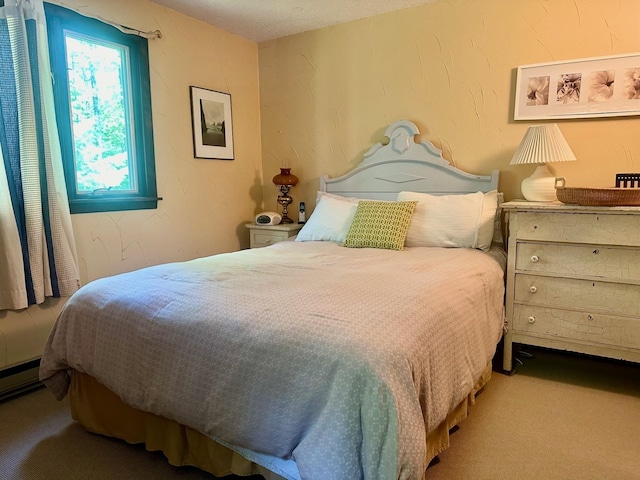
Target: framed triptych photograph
pixel 584 88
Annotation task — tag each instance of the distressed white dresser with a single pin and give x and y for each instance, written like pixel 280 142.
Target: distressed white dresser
pixel 573 279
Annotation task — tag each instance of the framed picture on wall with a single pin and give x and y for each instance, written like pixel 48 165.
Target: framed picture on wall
pixel 212 124
pixel 583 88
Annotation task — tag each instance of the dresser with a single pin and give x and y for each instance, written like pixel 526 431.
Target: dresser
pixel 265 235
pixel 573 279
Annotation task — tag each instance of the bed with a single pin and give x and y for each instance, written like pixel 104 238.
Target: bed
pixel 305 359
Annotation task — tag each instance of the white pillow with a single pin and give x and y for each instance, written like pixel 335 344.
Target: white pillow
pixel 355 200
pixel 329 222
pixel 465 220
pixel 320 195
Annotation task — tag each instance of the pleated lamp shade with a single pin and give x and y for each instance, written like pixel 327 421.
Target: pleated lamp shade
pixel 542 144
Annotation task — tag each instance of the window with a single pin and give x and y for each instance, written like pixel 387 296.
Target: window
pixel 103 109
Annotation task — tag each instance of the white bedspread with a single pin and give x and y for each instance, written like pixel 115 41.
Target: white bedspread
pixel 342 359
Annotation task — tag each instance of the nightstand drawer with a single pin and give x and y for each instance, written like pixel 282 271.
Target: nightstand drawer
pixel 615 298
pixel 579 260
pixel 264 239
pixel 587 327
pixel 596 228
pixel 265 235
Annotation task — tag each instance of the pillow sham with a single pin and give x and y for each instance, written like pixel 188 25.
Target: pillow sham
pixel 356 200
pixel 465 220
pixel 320 195
pixel 329 221
pixel 380 225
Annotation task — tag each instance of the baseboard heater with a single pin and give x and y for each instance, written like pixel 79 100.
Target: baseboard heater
pixel 19 379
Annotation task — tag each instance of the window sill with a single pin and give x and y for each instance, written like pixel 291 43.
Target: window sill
pixel 94 205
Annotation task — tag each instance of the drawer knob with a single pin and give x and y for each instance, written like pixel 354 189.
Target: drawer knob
pixel 531 319
pixel 596 251
pixel 268 240
pixel 590 317
pixel 533 289
pixel 534 258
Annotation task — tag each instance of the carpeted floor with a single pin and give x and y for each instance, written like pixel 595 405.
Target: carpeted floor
pixel 560 417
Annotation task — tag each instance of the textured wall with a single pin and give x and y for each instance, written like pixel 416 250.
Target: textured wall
pixel 327 95
pixel 206 202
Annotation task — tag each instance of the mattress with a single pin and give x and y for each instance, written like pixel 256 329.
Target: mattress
pixel 342 360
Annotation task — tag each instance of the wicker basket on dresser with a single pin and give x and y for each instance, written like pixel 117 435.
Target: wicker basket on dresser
pixel 573 279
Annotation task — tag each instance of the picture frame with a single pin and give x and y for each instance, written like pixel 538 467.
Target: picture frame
pixel 212 124
pixel 583 88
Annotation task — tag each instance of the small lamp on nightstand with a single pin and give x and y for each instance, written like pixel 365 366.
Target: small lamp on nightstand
pixel 542 144
pixel 284 181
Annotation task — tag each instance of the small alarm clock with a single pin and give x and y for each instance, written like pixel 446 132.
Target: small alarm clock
pixel 268 218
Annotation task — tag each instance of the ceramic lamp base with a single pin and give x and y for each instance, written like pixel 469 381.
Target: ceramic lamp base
pixel 539 187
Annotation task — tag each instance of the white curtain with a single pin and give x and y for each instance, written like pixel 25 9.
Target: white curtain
pixel 37 250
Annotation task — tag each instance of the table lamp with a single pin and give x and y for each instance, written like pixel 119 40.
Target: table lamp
pixel 542 144
pixel 284 181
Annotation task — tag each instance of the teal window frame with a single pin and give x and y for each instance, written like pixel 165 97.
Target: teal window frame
pixel 60 20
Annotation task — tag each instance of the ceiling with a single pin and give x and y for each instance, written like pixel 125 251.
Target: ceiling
pixel 261 20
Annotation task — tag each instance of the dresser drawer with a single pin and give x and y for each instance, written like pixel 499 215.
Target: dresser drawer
pixel 579 260
pixel 615 298
pixel 601 329
pixel 596 228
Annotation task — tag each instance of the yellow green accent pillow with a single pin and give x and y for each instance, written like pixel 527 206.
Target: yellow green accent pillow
pixel 380 225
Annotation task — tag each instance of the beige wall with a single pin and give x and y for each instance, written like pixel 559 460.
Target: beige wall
pixel 326 96
pixel 206 202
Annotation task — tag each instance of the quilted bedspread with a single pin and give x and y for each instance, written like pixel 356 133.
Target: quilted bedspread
pixel 341 359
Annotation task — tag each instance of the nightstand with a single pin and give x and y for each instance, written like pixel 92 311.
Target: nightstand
pixel 265 235
pixel 573 279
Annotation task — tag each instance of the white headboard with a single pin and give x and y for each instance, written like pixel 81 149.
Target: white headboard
pixel 404 165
